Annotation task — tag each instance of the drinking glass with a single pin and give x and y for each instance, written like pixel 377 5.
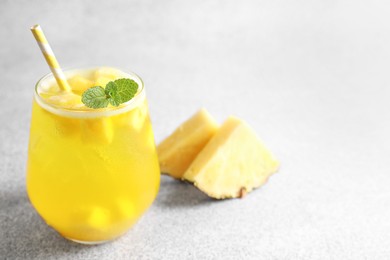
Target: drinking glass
pixel 91 173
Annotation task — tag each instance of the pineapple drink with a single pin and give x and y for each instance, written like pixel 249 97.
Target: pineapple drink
pixel 91 173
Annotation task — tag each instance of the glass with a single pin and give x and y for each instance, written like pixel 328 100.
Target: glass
pixel 91 173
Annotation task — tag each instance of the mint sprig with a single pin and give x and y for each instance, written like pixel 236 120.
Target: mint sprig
pixel 115 93
pixel 95 97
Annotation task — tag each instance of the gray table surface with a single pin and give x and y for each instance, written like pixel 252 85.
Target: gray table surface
pixel 311 77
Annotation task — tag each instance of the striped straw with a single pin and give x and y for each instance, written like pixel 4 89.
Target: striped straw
pixel 50 58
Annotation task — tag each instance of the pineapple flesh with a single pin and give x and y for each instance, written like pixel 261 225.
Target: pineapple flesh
pixel 178 150
pixel 234 162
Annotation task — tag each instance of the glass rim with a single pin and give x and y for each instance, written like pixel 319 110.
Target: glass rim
pixel 88 113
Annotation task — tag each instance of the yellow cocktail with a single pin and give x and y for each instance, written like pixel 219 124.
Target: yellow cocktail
pixel 91 173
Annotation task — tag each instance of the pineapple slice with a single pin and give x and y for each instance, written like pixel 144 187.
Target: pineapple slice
pixel 178 150
pixel 233 163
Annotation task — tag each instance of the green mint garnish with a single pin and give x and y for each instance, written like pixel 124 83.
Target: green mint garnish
pixel 115 93
pixel 95 97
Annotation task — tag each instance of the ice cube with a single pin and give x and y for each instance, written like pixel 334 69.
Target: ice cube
pixel 65 99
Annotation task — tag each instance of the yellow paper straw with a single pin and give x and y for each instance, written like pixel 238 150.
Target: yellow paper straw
pixel 50 58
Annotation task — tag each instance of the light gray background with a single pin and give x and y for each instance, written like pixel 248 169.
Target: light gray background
pixel 311 77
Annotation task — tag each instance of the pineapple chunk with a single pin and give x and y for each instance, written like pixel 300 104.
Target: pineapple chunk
pixel 126 209
pixel 98 218
pixel 102 81
pixel 178 150
pixel 104 75
pixel 233 163
pixel 107 73
pixel 97 130
pixel 91 220
pixel 49 91
pixel 80 84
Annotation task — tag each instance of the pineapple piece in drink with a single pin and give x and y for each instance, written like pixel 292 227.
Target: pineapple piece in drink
pixel 126 209
pixel 49 91
pixel 98 218
pixel 97 130
pixel 104 75
pixel 100 130
pixel 80 84
pixel 136 117
pixel 110 73
pixel 93 221
pixel 64 127
pixel 102 81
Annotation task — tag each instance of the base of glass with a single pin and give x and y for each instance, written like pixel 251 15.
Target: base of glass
pixel 91 243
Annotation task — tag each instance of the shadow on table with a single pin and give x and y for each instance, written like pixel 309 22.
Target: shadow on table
pixel 174 193
pixel 24 235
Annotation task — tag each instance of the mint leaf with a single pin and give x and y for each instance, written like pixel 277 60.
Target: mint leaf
pixel 95 97
pixel 115 93
pixel 111 90
pixel 121 91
